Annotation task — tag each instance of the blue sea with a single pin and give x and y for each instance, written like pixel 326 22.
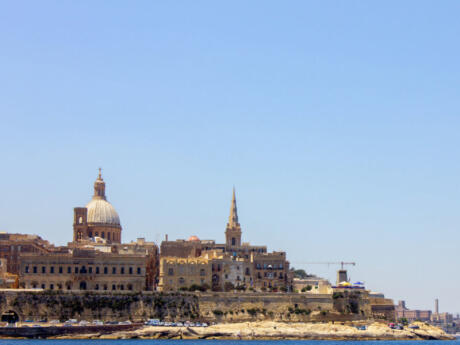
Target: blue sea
pixel 224 342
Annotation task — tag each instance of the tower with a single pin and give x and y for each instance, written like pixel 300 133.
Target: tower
pixel 436 306
pixel 342 276
pixel 233 230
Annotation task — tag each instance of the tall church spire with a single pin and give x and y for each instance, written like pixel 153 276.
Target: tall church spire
pixel 233 218
pixel 233 230
pixel 99 187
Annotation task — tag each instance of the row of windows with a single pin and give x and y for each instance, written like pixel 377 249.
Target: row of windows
pixel 270 275
pixel 82 286
pixel 171 272
pixel 269 266
pixel 182 281
pixel 82 270
pixel 115 237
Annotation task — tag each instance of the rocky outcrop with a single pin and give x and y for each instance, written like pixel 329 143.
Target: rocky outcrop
pixel 280 330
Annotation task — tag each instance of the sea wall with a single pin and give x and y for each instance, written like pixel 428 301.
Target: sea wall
pixel 220 307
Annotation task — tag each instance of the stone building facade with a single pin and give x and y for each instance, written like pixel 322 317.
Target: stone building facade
pixel 13 245
pixel 182 273
pixel 83 269
pixel 411 315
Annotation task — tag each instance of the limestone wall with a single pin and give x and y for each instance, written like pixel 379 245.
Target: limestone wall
pixel 219 307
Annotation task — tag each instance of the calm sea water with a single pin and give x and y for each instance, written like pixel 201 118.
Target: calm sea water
pixel 222 342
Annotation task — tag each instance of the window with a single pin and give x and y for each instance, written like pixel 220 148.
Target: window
pixel 170 272
pixel 247 271
pixel 43 269
pixel 52 269
pixel 106 270
pixel 233 241
pixel 76 269
pixel 202 272
pixel 51 286
pixel 60 270
pixel 181 281
pixel 90 234
pixel 90 270
pixel 108 236
pixel 96 287
pixel 122 270
pixel 103 234
pixel 105 286
pixel 69 270
pixel 138 270
pixel 43 286
pixel 97 270
pixel 114 287
pixel 26 269
pixel 130 270
pixel 130 287
pixel 114 270
pixel 122 287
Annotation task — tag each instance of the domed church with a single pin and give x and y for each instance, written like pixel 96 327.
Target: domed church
pixel 98 219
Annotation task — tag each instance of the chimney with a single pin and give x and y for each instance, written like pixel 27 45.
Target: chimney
pixel 166 237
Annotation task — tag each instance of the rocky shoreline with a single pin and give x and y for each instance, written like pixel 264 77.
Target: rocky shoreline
pixel 268 330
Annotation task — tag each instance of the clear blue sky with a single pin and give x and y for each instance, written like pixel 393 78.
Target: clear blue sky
pixel 337 121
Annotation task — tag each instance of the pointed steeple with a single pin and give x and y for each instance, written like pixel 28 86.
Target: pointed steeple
pixel 99 187
pixel 233 230
pixel 233 218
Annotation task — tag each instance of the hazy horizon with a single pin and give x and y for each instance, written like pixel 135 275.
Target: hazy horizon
pixel 337 122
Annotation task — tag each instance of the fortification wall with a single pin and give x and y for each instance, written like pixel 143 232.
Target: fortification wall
pixel 219 307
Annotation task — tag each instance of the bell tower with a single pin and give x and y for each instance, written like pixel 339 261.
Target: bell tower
pixel 233 230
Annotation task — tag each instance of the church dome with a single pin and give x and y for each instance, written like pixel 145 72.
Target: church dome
pixel 100 211
pixel 193 239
